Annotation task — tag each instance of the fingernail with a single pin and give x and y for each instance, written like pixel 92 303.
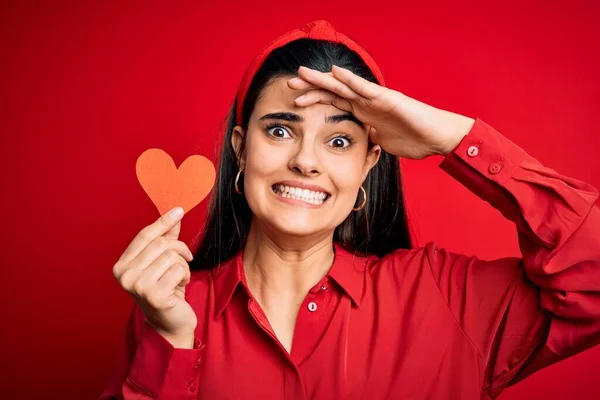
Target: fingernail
pixel 301 97
pixel 177 213
pixel 294 80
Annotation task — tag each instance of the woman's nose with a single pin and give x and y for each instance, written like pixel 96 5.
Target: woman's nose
pixel 305 160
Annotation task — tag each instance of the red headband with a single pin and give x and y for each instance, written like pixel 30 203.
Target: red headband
pixel 312 30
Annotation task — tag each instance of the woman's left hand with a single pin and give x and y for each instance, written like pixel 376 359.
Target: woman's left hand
pixel 401 125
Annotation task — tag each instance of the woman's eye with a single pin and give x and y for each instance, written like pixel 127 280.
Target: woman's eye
pixel 279 132
pixel 340 142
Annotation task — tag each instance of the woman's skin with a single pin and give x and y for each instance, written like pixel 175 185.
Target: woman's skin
pixel 318 136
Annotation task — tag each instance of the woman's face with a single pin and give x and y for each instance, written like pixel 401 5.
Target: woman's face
pixel 303 166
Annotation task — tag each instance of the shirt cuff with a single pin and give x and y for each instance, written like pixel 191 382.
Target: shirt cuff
pixel 487 151
pixel 166 372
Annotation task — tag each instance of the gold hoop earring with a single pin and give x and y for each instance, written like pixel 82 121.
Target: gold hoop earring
pixel 364 200
pixel 235 184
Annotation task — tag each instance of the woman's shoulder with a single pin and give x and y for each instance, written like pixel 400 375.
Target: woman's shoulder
pixel 394 268
pixel 430 254
pixel 404 257
pixel 442 267
pixel 411 264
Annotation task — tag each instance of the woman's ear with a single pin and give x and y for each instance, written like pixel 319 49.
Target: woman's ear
pixel 237 141
pixel 372 158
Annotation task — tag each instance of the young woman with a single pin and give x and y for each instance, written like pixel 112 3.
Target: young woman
pixel 306 285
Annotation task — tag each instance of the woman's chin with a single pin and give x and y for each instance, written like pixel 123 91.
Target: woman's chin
pixel 298 227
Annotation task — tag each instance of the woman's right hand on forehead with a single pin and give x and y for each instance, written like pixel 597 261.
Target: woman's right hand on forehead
pixel 154 270
pixel 402 126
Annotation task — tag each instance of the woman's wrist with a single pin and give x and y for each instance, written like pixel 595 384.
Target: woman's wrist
pixel 180 341
pixel 457 127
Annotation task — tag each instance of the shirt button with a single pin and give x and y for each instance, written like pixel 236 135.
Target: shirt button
pixel 312 306
pixel 323 288
pixel 495 168
pixel 472 151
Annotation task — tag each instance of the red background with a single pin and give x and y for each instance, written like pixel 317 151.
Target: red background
pixel 87 88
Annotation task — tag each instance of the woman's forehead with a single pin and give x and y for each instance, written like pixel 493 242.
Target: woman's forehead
pixel 277 93
pixel 278 97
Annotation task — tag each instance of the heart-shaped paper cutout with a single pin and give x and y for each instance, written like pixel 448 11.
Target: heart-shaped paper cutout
pixel 169 186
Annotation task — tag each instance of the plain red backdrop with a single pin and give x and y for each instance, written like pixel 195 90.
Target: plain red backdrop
pixel 86 88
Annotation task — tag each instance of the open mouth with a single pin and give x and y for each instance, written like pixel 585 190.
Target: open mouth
pixel 305 195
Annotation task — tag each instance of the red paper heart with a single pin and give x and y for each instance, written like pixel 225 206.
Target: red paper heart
pixel 169 186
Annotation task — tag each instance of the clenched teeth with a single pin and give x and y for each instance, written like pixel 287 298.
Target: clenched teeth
pixel 306 195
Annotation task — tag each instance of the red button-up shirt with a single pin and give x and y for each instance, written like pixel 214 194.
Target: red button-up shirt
pixel 422 323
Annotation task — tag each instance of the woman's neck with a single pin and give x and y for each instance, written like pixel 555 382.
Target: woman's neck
pixel 280 267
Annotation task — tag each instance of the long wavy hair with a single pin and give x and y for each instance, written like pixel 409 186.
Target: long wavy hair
pixel 378 229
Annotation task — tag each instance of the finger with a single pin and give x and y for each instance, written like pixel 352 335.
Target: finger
pixel 138 282
pixel 328 82
pixel 153 251
pixel 357 83
pixel 142 284
pixel 160 245
pixel 158 268
pixel 160 294
pixel 176 275
pixel 173 233
pixel 163 225
pixel 300 84
pixel 323 97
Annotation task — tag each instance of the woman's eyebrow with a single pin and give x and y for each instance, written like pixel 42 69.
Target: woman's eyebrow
pixel 292 117
pixel 334 119
pixel 285 116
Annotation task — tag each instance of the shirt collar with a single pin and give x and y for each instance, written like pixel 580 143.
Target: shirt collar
pixel 348 271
